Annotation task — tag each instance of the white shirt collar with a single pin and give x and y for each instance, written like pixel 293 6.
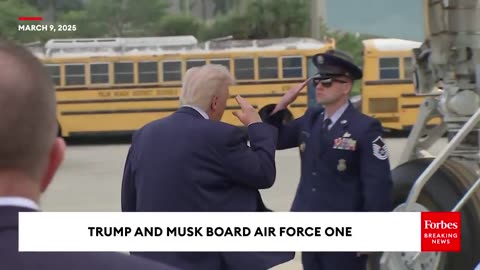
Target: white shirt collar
pixel 19 201
pixel 336 115
pixel 200 111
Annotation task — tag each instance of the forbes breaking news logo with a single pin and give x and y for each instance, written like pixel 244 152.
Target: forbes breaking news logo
pixel 441 231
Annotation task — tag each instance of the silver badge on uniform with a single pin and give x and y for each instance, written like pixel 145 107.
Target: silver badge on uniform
pixel 320 60
pixel 342 166
pixel 302 146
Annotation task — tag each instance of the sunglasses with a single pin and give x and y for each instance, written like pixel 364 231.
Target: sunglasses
pixel 326 82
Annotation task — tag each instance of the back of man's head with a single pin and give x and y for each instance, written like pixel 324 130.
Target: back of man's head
pixel 204 86
pixel 188 80
pixel 28 125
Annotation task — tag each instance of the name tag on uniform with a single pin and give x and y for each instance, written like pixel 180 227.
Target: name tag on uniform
pixel 345 143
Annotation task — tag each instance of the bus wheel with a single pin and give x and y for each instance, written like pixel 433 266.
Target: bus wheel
pixel 442 192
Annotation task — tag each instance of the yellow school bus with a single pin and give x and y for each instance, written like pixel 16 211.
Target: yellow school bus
pixel 388 92
pixel 116 86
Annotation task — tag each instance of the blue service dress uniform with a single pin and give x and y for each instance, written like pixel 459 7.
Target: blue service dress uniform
pixel 343 169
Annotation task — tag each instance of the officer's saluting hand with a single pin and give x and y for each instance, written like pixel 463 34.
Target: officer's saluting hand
pixel 290 96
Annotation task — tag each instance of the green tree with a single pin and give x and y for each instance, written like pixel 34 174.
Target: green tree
pixel 186 6
pixel 126 17
pixel 226 6
pixel 264 19
pixel 172 25
pixel 50 9
pixel 350 43
pixel 226 25
pixel 85 27
pixel 10 10
pixel 59 5
pixel 289 17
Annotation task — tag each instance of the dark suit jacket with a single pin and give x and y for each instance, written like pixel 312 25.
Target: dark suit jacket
pixel 12 259
pixel 185 163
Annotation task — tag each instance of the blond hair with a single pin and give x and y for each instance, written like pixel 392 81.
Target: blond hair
pixel 202 83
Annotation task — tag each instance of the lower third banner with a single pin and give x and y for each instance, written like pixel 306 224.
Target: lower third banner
pixel 265 231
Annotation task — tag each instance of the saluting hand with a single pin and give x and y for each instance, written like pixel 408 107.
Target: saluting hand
pixel 291 95
pixel 248 115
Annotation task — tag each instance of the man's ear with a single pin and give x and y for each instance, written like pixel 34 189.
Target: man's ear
pixel 55 158
pixel 214 103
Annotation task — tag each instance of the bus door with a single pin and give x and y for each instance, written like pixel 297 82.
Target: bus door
pixel 311 70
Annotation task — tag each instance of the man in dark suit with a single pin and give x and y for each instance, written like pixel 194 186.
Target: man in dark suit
pixel 193 162
pixel 345 165
pixel 30 154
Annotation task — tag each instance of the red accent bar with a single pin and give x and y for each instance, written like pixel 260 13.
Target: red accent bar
pixel 30 18
pixel 441 231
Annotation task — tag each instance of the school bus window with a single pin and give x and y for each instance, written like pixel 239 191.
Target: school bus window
pixel 292 67
pixel 147 72
pixel 54 71
pixel 172 71
pixel 389 68
pixel 268 67
pixel 223 62
pixel 408 68
pixel 75 74
pixel 123 72
pixel 244 69
pixel 99 73
pixel 195 63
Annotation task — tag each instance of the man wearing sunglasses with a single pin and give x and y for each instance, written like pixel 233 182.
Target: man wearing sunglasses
pixel 345 164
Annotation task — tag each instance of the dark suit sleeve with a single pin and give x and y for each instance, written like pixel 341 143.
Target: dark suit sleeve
pixel 375 171
pixel 128 193
pixel 255 260
pixel 252 166
pixel 288 133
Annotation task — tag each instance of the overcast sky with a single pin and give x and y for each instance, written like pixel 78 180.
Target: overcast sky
pixel 391 18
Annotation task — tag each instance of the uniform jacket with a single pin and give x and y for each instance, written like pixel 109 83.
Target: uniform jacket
pixel 343 170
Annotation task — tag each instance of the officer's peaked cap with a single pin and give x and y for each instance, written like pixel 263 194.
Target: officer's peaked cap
pixel 336 63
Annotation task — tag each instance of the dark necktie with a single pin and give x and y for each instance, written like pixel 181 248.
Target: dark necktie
pixel 325 124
